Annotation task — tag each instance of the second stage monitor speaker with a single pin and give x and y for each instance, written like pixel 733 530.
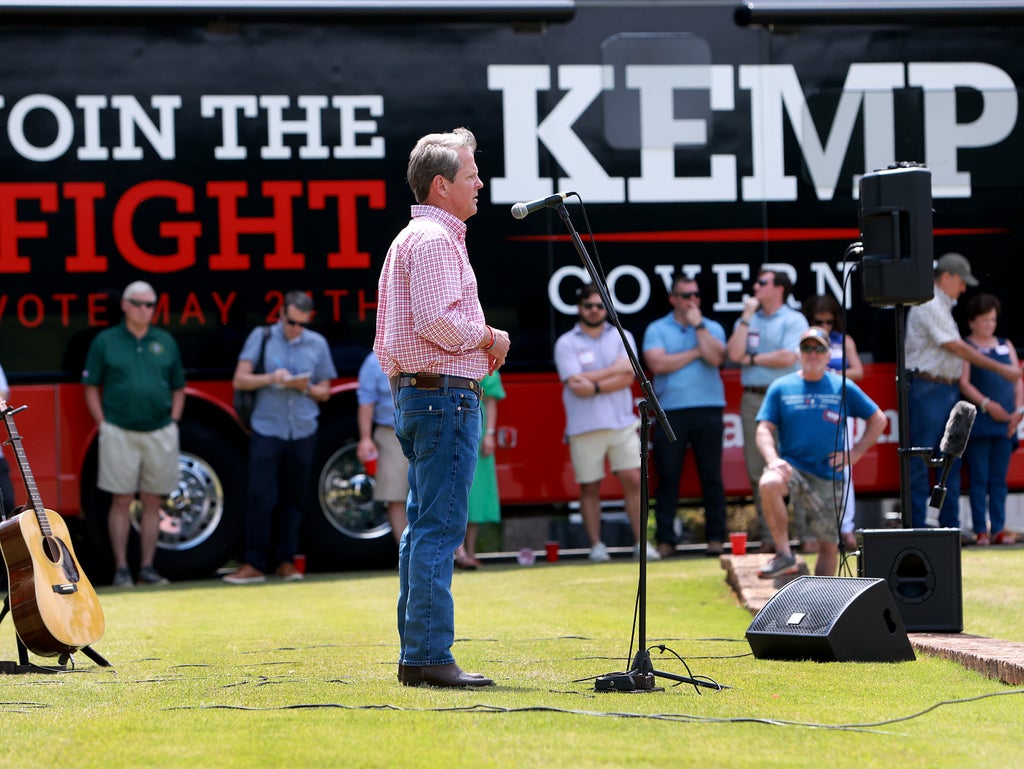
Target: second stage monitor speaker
pixel 922 568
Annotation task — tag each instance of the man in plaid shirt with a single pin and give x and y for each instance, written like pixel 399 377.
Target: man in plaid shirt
pixel 435 347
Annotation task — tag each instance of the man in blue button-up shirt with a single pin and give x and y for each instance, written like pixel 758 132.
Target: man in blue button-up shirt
pixel 296 375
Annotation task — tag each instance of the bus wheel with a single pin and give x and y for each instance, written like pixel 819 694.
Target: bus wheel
pixel 202 520
pixel 344 528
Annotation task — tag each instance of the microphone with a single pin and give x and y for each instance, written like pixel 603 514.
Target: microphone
pixel 522 210
pixel 952 445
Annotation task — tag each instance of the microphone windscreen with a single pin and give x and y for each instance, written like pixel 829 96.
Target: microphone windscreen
pixel 958 429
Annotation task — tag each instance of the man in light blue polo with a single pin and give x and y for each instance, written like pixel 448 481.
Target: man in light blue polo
pixel 764 342
pixel 684 350
pixel 600 419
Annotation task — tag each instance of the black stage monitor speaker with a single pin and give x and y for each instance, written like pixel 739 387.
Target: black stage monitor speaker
pixel 896 235
pixel 922 568
pixel 831 619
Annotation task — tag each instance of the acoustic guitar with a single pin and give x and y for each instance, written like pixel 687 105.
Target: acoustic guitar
pixel 55 609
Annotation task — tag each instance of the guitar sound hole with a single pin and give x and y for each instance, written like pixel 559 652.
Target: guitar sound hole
pixel 52 549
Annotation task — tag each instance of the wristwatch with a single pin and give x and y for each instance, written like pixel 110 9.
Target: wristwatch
pixel 699 326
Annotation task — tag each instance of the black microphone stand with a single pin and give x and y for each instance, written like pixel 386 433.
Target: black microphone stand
pixel 641 678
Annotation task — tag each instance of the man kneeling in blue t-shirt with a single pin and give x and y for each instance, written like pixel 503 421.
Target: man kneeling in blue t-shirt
pixel 806 412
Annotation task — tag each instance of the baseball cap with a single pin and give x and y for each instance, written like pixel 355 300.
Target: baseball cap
pixel 958 265
pixel 815 334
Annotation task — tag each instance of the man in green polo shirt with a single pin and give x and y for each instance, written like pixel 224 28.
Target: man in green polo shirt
pixel 135 392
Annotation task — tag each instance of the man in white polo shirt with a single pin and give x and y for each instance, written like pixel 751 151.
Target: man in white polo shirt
pixel 600 420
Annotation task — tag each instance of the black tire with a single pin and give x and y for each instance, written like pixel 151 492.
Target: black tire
pixel 206 514
pixel 343 528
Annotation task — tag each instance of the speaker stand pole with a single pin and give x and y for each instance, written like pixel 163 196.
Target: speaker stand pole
pixel 903 416
pixel 906 451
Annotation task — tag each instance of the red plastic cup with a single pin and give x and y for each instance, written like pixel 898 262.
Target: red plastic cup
pixel 551 551
pixel 738 540
pixel 299 562
pixel 371 466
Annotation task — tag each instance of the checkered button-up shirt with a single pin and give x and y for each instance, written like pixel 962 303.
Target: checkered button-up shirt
pixel 428 315
pixel 929 326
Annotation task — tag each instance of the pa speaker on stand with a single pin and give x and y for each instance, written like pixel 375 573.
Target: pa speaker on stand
pixel 896 235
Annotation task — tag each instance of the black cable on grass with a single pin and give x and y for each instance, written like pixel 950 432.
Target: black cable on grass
pixel 872 727
pixel 662 648
pixel 21 707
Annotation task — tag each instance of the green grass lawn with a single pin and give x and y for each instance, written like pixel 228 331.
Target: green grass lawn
pixel 303 675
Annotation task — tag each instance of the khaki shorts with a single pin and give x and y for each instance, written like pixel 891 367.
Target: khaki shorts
pixel 132 461
pixel 588 450
pixel 817 499
pixel 392 480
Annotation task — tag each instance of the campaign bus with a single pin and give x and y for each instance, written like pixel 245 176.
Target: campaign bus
pixel 229 152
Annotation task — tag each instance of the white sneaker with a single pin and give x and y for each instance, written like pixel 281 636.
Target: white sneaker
pixel 599 553
pixel 652 552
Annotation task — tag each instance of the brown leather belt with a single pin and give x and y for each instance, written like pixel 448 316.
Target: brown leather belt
pixel 759 389
pixel 426 380
pixel 940 379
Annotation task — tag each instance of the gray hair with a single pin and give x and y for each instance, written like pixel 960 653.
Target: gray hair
pixel 137 287
pixel 300 300
pixel 437 154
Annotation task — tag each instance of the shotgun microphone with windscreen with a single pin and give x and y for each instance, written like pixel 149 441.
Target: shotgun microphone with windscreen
pixel 952 445
pixel 521 210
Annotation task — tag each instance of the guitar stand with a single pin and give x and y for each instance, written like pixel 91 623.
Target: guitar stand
pixel 24 666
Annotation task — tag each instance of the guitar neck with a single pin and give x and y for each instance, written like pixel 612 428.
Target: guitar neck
pixel 26 471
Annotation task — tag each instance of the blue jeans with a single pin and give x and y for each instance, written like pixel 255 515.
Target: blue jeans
pixel 988 460
pixel 279 473
pixel 440 433
pixel 930 404
pixel 702 429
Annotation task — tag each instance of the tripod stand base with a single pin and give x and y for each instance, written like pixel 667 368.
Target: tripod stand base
pixel 10 668
pixel 633 681
pixel 642 678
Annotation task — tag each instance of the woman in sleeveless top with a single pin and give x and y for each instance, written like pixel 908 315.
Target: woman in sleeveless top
pixel 994 433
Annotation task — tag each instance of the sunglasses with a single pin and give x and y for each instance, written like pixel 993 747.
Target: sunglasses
pixel 291 322
pixel 141 303
pixel 687 294
pixel 763 282
pixel 812 348
pixel 593 306
pixel 824 322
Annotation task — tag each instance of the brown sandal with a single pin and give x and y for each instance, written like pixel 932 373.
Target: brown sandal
pixel 464 561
